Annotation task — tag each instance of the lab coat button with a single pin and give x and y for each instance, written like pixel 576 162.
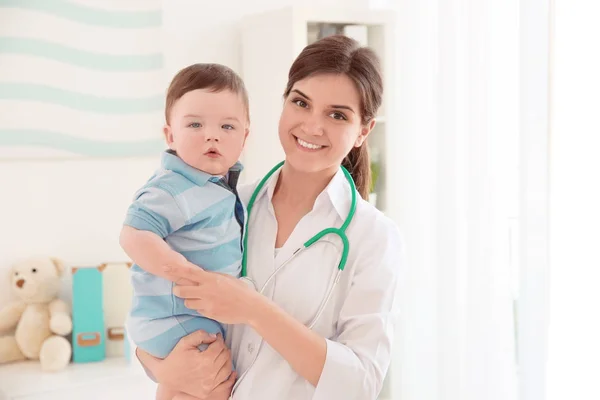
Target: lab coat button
pixel 250 348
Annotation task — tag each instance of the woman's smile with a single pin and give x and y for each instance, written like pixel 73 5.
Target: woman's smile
pixel 307 146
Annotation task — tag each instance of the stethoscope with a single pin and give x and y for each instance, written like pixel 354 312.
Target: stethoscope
pixel 340 232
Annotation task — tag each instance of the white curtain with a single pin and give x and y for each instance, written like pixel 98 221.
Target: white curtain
pixel 457 190
pixel 574 337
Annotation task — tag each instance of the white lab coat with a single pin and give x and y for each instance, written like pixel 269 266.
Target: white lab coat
pixel 358 320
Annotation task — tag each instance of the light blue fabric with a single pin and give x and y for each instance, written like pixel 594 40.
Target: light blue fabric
pixel 200 216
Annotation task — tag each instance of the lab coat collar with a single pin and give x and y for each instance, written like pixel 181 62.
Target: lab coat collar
pixel 337 192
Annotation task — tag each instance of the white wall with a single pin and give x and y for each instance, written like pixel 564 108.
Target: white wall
pixel 69 209
pixel 74 209
pixel 202 31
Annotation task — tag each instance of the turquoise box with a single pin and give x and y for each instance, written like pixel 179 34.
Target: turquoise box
pixel 89 341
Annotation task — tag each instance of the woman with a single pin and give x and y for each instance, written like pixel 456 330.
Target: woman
pixel 333 94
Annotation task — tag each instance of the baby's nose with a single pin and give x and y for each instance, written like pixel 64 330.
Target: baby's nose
pixel 20 283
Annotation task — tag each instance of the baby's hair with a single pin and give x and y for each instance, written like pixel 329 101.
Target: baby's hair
pixel 215 77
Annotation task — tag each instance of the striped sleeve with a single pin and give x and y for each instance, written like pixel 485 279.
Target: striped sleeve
pixel 155 210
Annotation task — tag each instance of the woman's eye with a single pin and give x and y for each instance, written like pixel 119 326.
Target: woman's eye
pixel 228 127
pixel 194 125
pixel 300 103
pixel 338 115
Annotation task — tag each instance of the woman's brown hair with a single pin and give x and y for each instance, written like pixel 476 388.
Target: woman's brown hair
pixel 339 54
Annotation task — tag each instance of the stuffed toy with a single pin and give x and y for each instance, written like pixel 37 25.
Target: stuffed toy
pixel 40 318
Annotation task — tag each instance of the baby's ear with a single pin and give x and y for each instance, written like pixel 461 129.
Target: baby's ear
pixel 246 132
pixel 59 265
pixel 168 132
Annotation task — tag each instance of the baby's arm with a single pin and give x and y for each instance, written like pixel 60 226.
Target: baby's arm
pixel 148 250
pixel 154 215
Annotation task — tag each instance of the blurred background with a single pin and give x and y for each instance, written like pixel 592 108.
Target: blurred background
pixel 485 154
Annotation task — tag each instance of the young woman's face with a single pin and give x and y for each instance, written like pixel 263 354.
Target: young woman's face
pixel 321 123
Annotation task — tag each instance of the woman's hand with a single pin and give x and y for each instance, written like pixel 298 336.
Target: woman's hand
pixel 222 392
pixel 203 375
pixel 217 296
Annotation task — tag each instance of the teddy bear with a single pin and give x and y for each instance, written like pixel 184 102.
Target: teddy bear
pixel 41 319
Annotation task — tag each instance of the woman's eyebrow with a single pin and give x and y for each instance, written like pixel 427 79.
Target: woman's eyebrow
pixel 344 108
pixel 301 94
pixel 338 106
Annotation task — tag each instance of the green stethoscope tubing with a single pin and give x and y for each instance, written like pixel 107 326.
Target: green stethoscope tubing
pixel 341 231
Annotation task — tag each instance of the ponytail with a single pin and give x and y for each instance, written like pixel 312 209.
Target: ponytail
pixel 357 162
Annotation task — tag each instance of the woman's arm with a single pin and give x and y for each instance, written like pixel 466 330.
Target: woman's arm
pixel 203 375
pixel 353 364
pixel 303 349
pixel 355 361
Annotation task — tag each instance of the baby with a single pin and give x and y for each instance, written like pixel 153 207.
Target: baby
pixel 189 209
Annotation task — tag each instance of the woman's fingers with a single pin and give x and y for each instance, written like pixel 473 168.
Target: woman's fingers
pixel 195 304
pixel 147 359
pixel 224 389
pixel 215 349
pixel 226 368
pixel 223 359
pixel 197 338
pixel 221 392
pixel 184 396
pixel 186 282
pixel 188 292
pixel 188 272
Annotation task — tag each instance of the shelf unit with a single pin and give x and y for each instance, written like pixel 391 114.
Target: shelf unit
pixel 270 43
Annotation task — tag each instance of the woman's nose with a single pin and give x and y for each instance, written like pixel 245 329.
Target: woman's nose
pixel 313 127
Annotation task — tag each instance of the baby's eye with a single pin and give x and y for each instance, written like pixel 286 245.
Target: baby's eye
pixel 16 274
pixel 339 116
pixel 194 125
pixel 228 127
pixel 300 103
pixel 34 270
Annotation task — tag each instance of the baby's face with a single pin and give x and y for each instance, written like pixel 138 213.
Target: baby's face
pixel 208 130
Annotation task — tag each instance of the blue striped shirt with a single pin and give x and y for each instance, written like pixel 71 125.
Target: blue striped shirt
pixel 199 215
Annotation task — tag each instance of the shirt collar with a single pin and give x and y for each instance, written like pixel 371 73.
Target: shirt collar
pixel 170 161
pixel 337 193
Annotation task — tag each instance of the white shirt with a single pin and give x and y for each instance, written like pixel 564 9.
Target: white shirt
pixel 358 320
